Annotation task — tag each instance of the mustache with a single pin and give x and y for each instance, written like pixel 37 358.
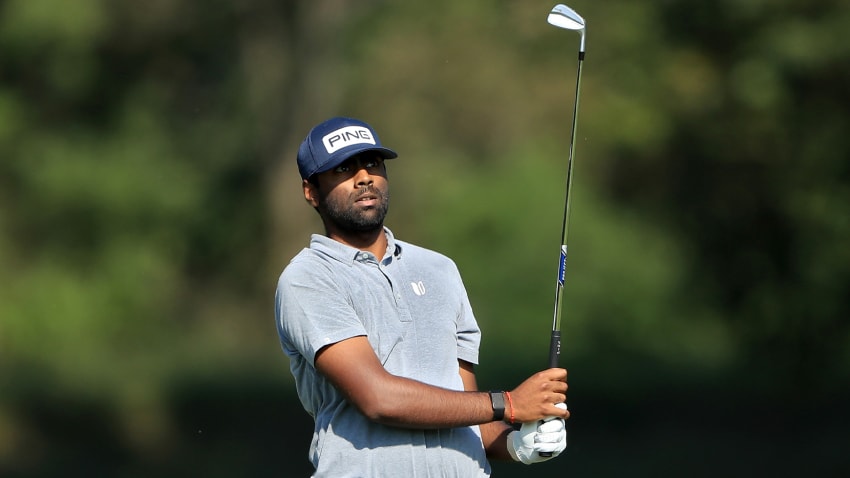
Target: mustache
pixel 369 191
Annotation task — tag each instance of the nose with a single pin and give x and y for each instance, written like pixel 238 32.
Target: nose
pixel 362 176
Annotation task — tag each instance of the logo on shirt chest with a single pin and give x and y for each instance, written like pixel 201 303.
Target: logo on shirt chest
pixel 418 288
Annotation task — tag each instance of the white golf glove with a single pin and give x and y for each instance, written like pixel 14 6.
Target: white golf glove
pixel 549 435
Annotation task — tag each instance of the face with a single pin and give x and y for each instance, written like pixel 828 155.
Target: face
pixel 353 197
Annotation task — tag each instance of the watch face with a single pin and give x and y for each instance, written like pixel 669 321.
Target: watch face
pixel 497 401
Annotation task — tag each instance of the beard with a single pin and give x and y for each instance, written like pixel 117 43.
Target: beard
pixel 346 217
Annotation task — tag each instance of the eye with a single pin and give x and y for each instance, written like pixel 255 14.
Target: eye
pixel 357 163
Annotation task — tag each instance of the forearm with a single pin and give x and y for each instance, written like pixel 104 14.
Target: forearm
pixel 402 402
pixel 494 435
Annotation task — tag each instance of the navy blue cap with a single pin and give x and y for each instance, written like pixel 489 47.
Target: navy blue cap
pixel 335 140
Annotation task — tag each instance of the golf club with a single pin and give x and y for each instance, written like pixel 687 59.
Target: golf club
pixel 565 17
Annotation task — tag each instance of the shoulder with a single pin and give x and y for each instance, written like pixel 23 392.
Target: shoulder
pixel 424 254
pixel 310 265
pixel 429 262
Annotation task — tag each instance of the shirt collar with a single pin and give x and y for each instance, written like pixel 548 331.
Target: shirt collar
pixel 393 248
pixel 349 255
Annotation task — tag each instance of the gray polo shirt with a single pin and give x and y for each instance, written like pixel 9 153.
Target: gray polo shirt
pixel 413 308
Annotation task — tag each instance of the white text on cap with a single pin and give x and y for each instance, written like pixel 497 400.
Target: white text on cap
pixel 347 136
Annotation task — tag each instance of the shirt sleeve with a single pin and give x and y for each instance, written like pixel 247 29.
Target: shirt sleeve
pixel 468 332
pixel 312 310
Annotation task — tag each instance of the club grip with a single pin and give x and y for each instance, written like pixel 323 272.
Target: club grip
pixel 554 348
pixel 554 355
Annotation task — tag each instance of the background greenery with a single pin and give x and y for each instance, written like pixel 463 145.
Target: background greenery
pixel 149 199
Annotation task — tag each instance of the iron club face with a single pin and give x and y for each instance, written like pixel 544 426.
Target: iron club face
pixel 565 17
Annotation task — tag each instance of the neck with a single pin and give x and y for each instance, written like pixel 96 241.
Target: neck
pixel 368 241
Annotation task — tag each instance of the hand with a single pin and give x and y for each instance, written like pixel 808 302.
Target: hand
pixel 534 398
pixel 543 436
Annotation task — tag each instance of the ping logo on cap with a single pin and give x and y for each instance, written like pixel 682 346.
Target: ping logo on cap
pixel 347 136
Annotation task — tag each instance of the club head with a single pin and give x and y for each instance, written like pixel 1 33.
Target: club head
pixel 565 17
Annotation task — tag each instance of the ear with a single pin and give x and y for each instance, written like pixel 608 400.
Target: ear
pixel 311 193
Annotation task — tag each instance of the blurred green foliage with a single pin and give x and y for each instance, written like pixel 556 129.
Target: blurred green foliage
pixel 149 199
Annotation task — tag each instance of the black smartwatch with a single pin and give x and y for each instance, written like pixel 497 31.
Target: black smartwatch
pixel 497 400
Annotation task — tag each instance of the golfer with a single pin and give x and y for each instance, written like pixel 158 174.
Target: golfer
pixel 382 341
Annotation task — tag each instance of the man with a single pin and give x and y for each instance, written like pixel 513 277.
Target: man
pixel 382 340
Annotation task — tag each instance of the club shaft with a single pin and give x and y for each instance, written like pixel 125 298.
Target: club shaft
pixel 555 342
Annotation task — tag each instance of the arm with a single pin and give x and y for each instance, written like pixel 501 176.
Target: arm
pixel 352 366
